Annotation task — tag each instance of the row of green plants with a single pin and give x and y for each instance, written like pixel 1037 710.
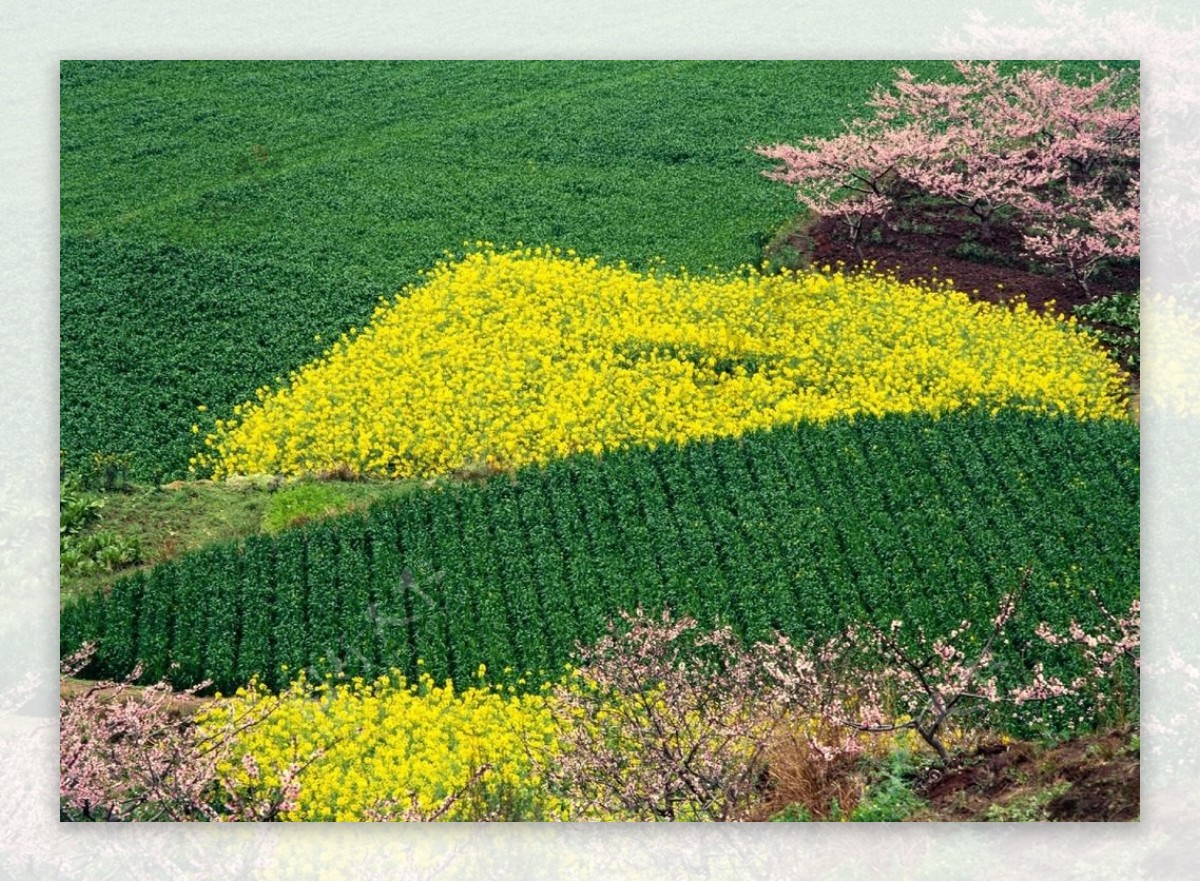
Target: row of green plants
pixel 801 529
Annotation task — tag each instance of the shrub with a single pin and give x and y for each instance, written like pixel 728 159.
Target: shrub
pixel 77 508
pixel 300 503
pixel 110 472
pixel 81 551
pixel 103 550
pixel 891 798
pixel 1116 320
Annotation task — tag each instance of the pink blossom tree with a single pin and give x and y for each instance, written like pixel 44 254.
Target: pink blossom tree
pixel 925 682
pixel 870 680
pixel 860 177
pixel 662 722
pixel 1105 650
pixel 1165 42
pixel 1023 149
pixel 1083 242
pixel 675 723
pixel 129 753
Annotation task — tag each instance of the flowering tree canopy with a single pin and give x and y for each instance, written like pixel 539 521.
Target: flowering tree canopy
pixel 1057 160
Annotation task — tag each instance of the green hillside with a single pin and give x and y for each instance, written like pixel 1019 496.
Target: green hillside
pixel 802 529
pixel 216 216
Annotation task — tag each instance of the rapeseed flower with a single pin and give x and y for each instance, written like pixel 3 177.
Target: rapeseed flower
pixel 520 357
pixel 390 747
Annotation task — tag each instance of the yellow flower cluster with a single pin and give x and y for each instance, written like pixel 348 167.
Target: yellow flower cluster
pixel 392 749
pixel 518 357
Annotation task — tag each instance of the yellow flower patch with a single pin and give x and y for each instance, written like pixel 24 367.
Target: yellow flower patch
pixel 520 357
pixel 393 749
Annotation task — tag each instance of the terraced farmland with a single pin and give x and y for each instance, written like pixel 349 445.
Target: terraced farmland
pixel 217 216
pixel 279 275
pixel 804 529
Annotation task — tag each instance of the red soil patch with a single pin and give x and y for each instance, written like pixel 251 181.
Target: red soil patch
pixel 1097 778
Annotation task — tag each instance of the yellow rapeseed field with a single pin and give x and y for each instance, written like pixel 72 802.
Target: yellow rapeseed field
pixel 393 749
pixel 523 356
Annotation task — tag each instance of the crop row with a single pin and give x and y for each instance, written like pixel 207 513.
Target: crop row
pixel 801 529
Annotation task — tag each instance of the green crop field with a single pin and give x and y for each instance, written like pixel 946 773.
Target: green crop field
pixel 216 216
pixel 803 529
pixel 439 368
